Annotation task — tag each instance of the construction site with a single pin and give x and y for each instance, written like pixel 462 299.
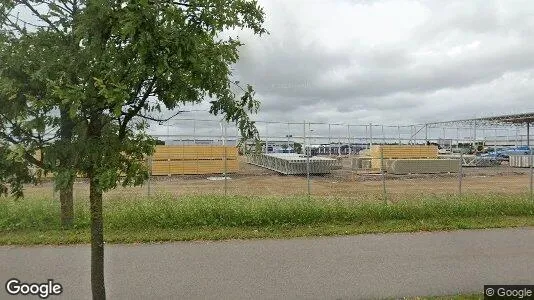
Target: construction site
pixel 481 155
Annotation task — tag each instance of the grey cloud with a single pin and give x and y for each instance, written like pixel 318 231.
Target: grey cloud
pixel 476 16
pixel 386 58
pixel 401 77
pixel 286 69
pixel 373 78
pixel 430 74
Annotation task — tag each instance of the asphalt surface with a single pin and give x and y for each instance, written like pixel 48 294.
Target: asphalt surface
pixel 351 267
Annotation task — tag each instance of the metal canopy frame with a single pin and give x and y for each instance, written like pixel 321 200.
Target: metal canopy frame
pixel 515 120
pixel 369 134
pixel 512 120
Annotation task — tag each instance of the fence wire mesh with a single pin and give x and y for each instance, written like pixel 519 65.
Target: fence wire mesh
pixel 362 162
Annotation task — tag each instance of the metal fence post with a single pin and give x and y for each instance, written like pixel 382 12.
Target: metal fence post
pixel 383 135
pixel 288 135
pixel 350 147
pixel 531 172
pixel 308 162
pixel 384 192
pixel 306 152
pixel 458 138
pixel 366 137
pixel 475 135
pixel 460 174
pixel 339 144
pixel 149 164
pixel 370 135
pixel 266 137
pixel 329 140
pixel 225 160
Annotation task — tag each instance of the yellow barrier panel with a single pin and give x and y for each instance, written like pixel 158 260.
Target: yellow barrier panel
pixel 404 151
pixel 193 159
pixel 401 152
pixel 194 152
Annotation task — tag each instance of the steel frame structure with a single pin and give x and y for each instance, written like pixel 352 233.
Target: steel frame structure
pixel 294 164
pixel 316 134
pixel 513 120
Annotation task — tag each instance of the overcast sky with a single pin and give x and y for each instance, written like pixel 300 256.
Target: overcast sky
pixel 391 61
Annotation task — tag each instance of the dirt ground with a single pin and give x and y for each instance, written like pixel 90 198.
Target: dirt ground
pixel 345 183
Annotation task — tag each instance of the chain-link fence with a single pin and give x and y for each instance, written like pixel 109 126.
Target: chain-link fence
pixel 335 161
pixel 368 161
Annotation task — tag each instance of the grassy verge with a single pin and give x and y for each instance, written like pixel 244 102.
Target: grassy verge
pixel 36 221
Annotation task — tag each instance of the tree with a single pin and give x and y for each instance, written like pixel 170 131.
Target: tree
pixel 14 171
pixel 26 123
pixel 125 61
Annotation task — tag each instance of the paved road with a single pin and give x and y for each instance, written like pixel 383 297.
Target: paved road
pixel 352 267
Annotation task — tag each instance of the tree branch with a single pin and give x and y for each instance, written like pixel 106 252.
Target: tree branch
pixel 40 16
pixel 65 8
pixel 180 3
pixel 30 158
pixel 133 112
pixel 162 120
pixel 13 25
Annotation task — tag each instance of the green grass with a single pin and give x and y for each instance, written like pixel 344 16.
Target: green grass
pixel 164 218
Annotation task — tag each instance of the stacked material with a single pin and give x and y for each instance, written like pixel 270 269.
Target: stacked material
pixel 404 151
pixel 474 160
pixel 401 152
pixel 194 159
pixel 520 161
pixel 190 160
pixel 293 164
pixel 422 166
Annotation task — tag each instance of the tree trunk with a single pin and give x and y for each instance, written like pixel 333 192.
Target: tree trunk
pixel 97 241
pixel 66 160
pixel 67 206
